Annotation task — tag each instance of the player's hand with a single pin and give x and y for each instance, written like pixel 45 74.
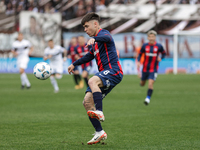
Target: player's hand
pixel 158 59
pixel 65 58
pixel 90 42
pixel 71 69
pixel 49 56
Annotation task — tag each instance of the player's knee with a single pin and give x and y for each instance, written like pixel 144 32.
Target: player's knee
pixel 58 76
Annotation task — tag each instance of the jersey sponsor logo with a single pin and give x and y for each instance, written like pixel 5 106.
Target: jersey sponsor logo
pixel 97 51
pixel 151 54
pixel 147 49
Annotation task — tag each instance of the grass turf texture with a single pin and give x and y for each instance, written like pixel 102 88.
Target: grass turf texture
pixel 38 119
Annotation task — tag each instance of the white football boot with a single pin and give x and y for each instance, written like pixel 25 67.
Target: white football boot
pixel 96 114
pixel 146 101
pixel 98 136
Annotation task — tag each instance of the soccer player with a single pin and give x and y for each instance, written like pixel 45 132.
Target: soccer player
pixel 21 50
pixel 150 64
pixel 102 48
pixel 81 50
pixel 54 53
pixel 71 53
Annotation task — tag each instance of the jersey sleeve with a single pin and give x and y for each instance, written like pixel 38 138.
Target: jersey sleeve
pixel 45 52
pixel 86 58
pixel 142 50
pixel 62 49
pixel 103 38
pixel 162 51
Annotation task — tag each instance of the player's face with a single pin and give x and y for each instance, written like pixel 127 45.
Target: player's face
pixel 81 40
pixel 50 43
pixel 20 36
pixel 90 28
pixel 73 41
pixel 151 38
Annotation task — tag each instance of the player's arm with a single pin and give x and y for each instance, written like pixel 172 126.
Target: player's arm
pixel 14 52
pixel 102 38
pixel 163 54
pixel 30 51
pixel 86 58
pixel 142 50
pixel 65 55
pixel 46 56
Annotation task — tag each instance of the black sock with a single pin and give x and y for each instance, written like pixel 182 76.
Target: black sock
pixel 97 96
pixel 149 93
pixel 86 81
pixel 96 124
pixel 76 79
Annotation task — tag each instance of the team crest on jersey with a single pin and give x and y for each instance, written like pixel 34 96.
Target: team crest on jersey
pixel 155 49
pixel 96 51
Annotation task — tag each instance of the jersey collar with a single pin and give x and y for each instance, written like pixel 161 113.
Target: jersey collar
pixel 153 43
pixel 98 32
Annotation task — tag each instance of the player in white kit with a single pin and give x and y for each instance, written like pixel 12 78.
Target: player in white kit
pixel 21 49
pixel 54 53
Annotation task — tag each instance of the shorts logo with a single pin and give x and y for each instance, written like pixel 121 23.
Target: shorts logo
pixel 107 84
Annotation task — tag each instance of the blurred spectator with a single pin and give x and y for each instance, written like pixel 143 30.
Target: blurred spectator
pixel 9 9
pixel 100 5
pixel 2 7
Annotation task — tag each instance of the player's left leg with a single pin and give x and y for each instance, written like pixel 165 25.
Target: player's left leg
pixel 152 78
pixel 54 83
pixel 85 77
pixel 100 134
pixel 24 79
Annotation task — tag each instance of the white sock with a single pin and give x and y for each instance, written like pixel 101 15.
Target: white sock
pixel 22 79
pixel 25 78
pixel 54 83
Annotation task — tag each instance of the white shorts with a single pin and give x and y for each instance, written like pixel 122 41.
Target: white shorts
pixel 22 62
pixel 57 68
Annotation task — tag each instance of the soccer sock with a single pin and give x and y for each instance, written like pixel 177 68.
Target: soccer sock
pixel 96 124
pixel 97 96
pixel 26 80
pixel 86 81
pixel 22 79
pixel 76 79
pixel 54 83
pixel 149 93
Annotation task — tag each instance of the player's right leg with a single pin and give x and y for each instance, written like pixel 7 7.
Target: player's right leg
pixel 77 78
pixel 54 83
pixel 100 134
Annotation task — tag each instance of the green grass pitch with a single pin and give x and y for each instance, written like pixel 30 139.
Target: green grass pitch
pixel 38 119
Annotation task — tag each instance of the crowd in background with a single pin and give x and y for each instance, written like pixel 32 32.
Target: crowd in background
pixel 79 9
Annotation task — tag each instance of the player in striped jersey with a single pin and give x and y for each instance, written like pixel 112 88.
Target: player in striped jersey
pixel 80 51
pixel 150 64
pixel 21 50
pixel 54 54
pixel 102 49
pixel 71 53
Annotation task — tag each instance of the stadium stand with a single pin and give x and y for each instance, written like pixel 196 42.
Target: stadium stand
pixel 164 16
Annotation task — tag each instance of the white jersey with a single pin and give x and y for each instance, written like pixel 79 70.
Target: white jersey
pixel 56 61
pixel 22 48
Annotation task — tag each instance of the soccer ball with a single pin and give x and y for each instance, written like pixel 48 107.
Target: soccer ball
pixel 42 71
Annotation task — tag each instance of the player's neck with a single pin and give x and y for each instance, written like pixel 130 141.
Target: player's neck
pixel 98 29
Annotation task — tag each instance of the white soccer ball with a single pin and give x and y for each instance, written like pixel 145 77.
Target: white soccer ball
pixel 42 71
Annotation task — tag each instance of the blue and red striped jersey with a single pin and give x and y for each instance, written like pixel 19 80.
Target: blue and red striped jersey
pixel 151 52
pixel 104 52
pixel 82 51
pixel 71 52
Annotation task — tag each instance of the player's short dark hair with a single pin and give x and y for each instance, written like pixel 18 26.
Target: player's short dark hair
pixel 51 40
pixel 90 16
